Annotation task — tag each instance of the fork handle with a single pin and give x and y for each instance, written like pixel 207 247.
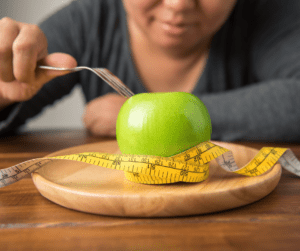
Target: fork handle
pixel 57 68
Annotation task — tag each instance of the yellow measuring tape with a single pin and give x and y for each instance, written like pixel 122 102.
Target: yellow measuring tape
pixel 189 166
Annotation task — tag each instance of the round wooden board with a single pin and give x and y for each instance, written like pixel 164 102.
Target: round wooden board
pixel 99 190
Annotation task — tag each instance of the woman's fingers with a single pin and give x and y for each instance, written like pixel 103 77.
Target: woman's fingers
pixel 61 60
pixel 30 44
pixel 9 30
pixel 101 114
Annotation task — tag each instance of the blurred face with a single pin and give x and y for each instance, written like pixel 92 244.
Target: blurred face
pixel 170 23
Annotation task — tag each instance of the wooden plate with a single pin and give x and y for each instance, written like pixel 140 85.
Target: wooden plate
pixel 99 190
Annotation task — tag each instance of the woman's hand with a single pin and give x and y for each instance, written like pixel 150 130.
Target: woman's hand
pixel 22 47
pixel 101 114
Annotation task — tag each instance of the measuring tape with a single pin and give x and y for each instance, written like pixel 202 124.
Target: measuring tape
pixel 191 165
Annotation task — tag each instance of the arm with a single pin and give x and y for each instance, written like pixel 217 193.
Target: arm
pixel 268 109
pixel 264 112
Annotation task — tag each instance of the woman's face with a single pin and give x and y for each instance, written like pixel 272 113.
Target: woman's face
pixel 177 22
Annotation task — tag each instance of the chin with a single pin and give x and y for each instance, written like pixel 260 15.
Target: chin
pixel 174 43
pixel 169 41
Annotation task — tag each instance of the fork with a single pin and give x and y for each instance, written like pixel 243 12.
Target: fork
pixel 103 73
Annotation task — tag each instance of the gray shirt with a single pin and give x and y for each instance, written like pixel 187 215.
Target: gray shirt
pixel 250 84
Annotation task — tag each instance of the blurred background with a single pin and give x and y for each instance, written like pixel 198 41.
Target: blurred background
pixel 65 113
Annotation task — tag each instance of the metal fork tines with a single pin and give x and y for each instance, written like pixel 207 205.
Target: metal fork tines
pixel 103 73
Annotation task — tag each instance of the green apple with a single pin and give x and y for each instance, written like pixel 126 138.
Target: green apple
pixel 162 124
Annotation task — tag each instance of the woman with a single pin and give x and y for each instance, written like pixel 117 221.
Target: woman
pixel 241 58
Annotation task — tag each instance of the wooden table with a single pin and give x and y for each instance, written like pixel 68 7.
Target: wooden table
pixel 28 221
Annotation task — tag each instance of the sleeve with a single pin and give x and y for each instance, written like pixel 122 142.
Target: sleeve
pixel 65 33
pixel 269 108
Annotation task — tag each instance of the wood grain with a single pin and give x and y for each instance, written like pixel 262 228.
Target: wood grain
pixel 170 236
pixel 28 221
pixel 46 141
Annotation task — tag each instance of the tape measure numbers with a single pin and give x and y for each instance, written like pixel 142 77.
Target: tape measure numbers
pixel 189 166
